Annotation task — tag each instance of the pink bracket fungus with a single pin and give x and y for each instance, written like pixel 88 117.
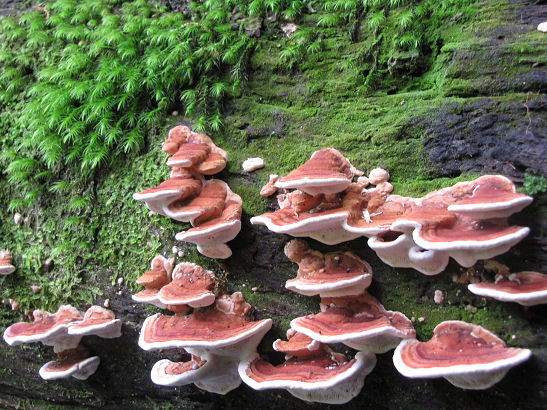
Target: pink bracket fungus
pixel 210 206
pixel 6 267
pixel 527 288
pixel 331 274
pixel 216 338
pixel 326 172
pixel 467 355
pixel 312 371
pixel 64 330
pixel 359 322
pixel 227 332
pixel 494 197
pixel 270 188
pixel 180 186
pixel 191 285
pixel 211 235
pixel 193 150
pixel 467 221
pixel 97 321
pixel 158 276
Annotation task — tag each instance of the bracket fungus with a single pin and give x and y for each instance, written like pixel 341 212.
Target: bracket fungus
pixel 6 267
pixel 526 288
pixel 311 372
pixel 466 222
pixel 360 322
pixel 331 274
pixel 158 276
pixel 217 338
pixel 193 150
pixel 326 172
pixel 210 206
pixel 64 330
pixel 467 355
pixel 191 285
pixel 211 235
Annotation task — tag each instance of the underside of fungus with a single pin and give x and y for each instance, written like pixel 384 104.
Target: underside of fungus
pixel 210 206
pixel 527 288
pixel 311 372
pixel 63 330
pixel 467 355
pixel 466 222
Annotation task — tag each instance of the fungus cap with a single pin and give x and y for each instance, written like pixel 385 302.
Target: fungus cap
pixel 325 226
pixel 299 345
pixel 326 172
pixel 327 378
pixel 526 288
pixel 378 176
pixel 359 322
pixel 467 355
pixel 211 236
pixel 208 204
pixel 97 321
pixel 158 198
pixel 398 250
pixel 270 188
pixel 48 328
pixel 193 150
pixel 331 274
pixel 158 276
pixel 494 196
pixel 191 285
pixel 227 332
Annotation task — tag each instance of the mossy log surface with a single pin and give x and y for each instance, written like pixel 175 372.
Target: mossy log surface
pixel 484 110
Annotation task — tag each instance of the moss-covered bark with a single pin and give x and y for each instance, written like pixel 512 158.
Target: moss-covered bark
pixel 482 90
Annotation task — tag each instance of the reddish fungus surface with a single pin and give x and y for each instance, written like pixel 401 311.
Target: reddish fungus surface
pixel 209 325
pixel 95 315
pixel 457 343
pixel 190 282
pixel 313 370
pixel 189 154
pixel 523 282
pixel 43 322
pixel 326 164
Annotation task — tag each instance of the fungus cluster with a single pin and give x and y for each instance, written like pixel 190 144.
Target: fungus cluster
pixel 349 315
pixel 217 337
pixel 467 221
pixel 209 206
pixel 64 330
pixel 6 267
